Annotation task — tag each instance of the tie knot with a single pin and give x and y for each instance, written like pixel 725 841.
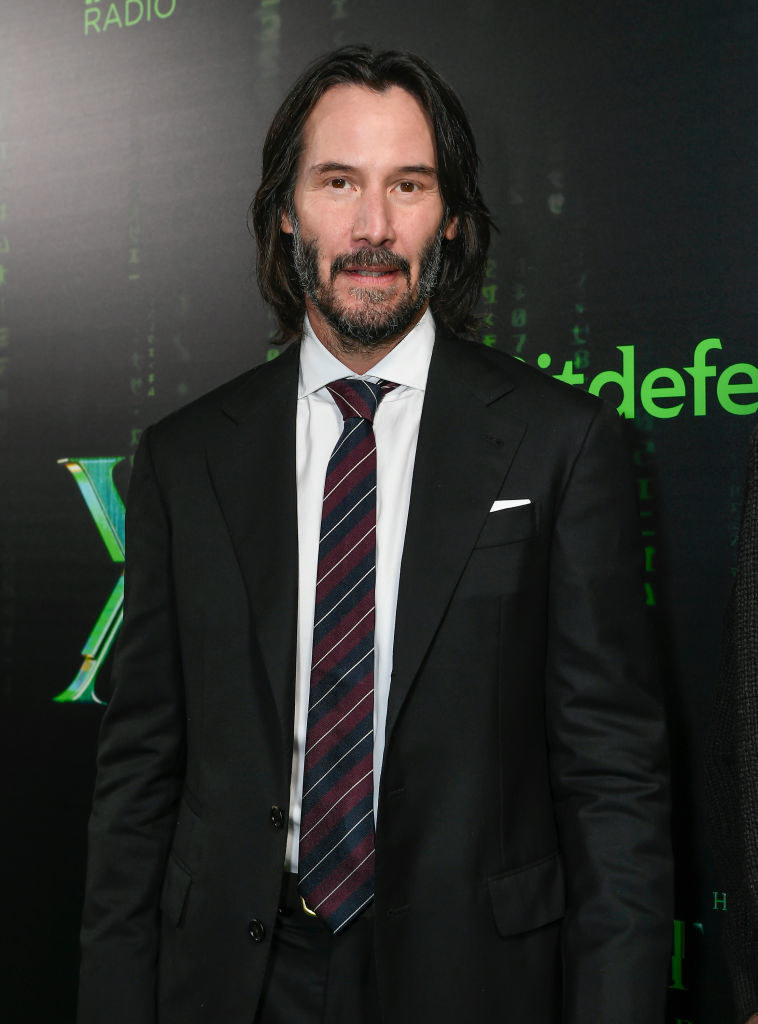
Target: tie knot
pixel 357 398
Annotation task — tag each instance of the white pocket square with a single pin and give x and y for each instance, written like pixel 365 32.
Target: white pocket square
pixel 509 503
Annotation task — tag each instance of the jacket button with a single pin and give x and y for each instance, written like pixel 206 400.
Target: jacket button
pixel 257 930
pixel 277 817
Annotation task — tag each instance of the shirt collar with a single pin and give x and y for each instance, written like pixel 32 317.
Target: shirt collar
pixel 406 364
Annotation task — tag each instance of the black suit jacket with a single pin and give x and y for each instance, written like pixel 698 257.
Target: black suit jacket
pixel 522 853
pixel 732 764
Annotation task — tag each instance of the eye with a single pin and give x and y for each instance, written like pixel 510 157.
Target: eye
pixel 339 183
pixel 407 187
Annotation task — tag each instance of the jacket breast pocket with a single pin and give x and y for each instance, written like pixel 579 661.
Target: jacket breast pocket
pixel 502 560
pixel 528 897
pixel 507 525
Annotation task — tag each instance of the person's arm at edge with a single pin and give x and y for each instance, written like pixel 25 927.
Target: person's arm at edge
pixel 139 778
pixel 608 746
pixel 731 774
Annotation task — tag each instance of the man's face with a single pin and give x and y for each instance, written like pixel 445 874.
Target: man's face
pixel 368 225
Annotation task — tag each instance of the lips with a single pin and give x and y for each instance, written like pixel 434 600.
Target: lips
pixel 373 274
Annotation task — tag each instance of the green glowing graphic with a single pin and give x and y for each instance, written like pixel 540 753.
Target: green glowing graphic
pixel 679 978
pixel 95 480
pixel 677 960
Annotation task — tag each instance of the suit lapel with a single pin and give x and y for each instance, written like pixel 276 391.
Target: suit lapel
pixel 465 447
pixel 252 467
pixel 464 450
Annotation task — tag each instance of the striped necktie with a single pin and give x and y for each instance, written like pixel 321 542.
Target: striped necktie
pixel 336 862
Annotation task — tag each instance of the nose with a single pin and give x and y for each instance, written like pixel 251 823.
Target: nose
pixel 373 224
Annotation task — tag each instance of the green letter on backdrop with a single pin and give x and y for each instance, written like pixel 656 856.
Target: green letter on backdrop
pixel 95 480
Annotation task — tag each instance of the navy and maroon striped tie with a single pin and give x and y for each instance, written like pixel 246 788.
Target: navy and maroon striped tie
pixel 336 862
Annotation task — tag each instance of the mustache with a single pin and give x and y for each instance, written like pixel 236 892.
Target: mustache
pixel 366 258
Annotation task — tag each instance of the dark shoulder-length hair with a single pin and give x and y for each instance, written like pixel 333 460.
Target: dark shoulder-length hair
pixel 463 256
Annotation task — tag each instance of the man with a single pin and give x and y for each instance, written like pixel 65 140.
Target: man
pixel 384 743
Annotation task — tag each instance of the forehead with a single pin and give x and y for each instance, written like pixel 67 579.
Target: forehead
pixel 355 125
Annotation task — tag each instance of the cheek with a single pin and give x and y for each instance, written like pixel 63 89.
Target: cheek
pixel 419 235
pixel 329 244
pixel 326 221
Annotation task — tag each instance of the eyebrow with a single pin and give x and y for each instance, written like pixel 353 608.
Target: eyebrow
pixel 333 166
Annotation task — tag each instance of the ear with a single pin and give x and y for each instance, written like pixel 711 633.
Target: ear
pixel 451 229
pixel 286 223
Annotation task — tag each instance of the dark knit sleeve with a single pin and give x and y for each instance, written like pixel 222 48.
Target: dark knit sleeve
pixel 732 760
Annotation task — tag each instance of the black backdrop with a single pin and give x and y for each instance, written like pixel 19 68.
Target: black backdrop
pixel 618 145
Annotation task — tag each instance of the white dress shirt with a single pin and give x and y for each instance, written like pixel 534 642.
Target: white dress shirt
pixel 319 425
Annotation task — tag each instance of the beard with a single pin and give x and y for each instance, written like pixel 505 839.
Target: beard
pixel 381 316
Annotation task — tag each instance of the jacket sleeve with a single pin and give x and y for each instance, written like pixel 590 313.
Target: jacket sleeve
pixel 608 746
pixel 139 775
pixel 732 761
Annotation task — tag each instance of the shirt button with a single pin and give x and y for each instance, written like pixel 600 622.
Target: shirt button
pixel 277 817
pixel 257 930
